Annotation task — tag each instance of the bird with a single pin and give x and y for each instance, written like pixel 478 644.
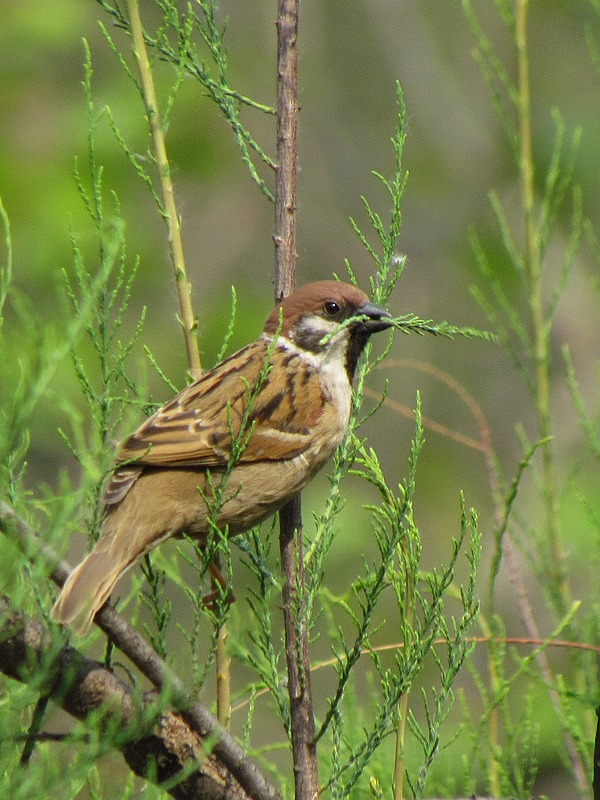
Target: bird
pixel 258 426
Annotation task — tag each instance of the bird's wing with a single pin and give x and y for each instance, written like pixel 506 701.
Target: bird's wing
pixel 198 426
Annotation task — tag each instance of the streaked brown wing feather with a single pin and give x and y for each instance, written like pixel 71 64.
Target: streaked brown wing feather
pixel 195 427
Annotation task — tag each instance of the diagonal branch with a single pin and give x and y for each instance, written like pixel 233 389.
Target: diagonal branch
pixel 224 747
pixel 156 744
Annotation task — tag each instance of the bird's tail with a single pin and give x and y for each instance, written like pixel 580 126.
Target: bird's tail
pixel 89 586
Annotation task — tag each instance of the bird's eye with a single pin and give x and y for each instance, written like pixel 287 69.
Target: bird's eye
pixel 331 308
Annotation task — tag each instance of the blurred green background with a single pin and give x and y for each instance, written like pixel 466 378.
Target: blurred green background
pixel 351 54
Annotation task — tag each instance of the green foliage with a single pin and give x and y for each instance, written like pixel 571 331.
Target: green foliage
pixel 396 714
pixel 174 43
pixel 525 323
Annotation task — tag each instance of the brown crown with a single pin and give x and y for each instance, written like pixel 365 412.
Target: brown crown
pixel 311 299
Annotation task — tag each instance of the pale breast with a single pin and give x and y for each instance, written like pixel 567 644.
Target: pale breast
pixel 323 373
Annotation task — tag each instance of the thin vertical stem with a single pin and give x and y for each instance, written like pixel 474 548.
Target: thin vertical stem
pixel 540 325
pixel 188 319
pixel 304 751
pixel 223 666
pixel 399 760
pixel 171 217
pixel 287 148
pixel 596 780
pixel 541 335
pixel 222 658
pixel 304 748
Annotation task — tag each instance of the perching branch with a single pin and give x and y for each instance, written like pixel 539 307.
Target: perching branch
pixel 225 748
pixel 157 745
pixel 287 148
pixel 304 751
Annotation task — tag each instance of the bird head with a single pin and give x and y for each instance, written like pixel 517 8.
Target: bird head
pixel 328 318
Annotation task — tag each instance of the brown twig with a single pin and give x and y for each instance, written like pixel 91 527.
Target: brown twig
pixel 287 150
pixel 304 749
pixel 222 657
pixel 224 747
pixel 290 518
pixel 442 641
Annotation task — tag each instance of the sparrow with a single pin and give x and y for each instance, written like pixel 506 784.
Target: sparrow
pixel 259 426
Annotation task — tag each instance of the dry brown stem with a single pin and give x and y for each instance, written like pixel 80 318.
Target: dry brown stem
pixel 290 531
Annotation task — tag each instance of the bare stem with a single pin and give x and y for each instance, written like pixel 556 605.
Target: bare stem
pixel 223 678
pixel 287 151
pixel 304 751
pixel 169 210
pixel 541 328
pixel 223 666
pixel 399 760
pixel 188 320
pixel 304 748
pixel 541 334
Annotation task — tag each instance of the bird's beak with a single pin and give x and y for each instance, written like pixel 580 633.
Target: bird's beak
pixel 378 319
